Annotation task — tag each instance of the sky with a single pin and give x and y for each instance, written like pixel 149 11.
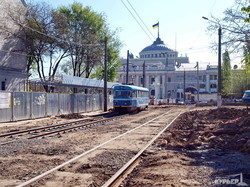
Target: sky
pixel 181 26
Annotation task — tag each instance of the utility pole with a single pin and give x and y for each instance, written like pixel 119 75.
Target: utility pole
pixel 127 67
pixel 198 85
pixel 184 86
pixel 219 101
pixel 105 76
pixel 144 75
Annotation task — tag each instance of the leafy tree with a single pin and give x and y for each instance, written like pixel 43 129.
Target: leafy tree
pixel 113 61
pixel 240 81
pixel 247 10
pixel 86 30
pixel 226 74
pixel 71 37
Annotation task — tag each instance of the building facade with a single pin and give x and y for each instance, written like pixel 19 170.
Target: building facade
pixel 12 51
pixel 166 74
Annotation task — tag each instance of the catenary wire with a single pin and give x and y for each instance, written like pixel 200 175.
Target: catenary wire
pixel 136 20
pixel 140 18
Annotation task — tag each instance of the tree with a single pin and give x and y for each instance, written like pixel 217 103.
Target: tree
pixel 113 60
pixel 74 35
pixel 247 10
pixel 235 38
pixel 41 40
pixel 226 74
pixel 235 30
pixel 86 30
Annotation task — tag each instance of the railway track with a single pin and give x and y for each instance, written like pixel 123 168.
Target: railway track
pixel 53 129
pixel 145 133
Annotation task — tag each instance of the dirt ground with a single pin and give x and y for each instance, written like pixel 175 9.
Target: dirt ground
pixel 203 148
pixel 23 160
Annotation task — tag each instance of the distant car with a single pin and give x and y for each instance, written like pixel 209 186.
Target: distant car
pixel 246 96
pixel 189 102
pixel 180 102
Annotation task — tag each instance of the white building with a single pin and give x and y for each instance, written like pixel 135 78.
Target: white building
pixel 167 74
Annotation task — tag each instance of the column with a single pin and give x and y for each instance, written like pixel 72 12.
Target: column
pixel 207 84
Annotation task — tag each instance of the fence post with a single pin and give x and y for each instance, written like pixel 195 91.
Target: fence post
pixel 58 104
pixel 85 100
pixel 46 104
pixel 92 96
pixel 31 105
pixel 12 106
pixel 76 101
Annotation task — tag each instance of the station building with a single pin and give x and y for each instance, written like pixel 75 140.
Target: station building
pixel 168 75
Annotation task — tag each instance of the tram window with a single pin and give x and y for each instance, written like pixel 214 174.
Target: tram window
pixel 134 93
pixel 122 94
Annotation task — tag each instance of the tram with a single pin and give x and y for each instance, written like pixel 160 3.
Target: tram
pixel 128 98
pixel 246 97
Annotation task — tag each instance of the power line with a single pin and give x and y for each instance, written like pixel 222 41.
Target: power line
pixel 59 39
pixel 17 53
pixel 140 18
pixel 136 20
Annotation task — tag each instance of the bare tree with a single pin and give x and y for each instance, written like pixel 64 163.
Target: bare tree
pixel 235 31
pixel 42 41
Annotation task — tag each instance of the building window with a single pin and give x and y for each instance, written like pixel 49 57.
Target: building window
pixel 141 80
pixel 160 79
pixel 155 55
pixel 204 78
pixel 153 92
pixel 213 86
pixel 213 77
pixel 152 56
pixel 169 79
pixel 3 85
pixel 202 85
pixel 152 80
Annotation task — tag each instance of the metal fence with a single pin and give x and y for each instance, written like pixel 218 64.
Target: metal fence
pixel 16 106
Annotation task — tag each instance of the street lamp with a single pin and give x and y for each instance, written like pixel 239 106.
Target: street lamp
pixel 219 101
pixel 198 84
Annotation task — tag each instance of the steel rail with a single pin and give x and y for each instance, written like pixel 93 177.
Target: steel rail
pixel 75 127
pixel 118 175
pixel 41 128
pixel 85 153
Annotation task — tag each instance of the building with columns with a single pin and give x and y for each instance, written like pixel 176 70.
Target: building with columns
pixel 167 75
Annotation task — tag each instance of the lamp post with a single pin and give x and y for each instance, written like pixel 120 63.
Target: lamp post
pixel 198 84
pixel 184 87
pixel 219 101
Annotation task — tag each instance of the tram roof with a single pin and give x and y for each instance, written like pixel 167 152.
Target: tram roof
pixel 129 87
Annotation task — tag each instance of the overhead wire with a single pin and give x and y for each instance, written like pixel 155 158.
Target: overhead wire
pixel 136 20
pixel 59 39
pixel 140 18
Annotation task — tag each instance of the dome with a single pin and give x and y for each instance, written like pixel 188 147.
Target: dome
pixel 158 45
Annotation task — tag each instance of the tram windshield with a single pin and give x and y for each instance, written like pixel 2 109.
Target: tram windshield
pixel 246 94
pixel 124 93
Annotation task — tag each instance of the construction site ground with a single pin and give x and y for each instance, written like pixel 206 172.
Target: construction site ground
pixel 209 147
